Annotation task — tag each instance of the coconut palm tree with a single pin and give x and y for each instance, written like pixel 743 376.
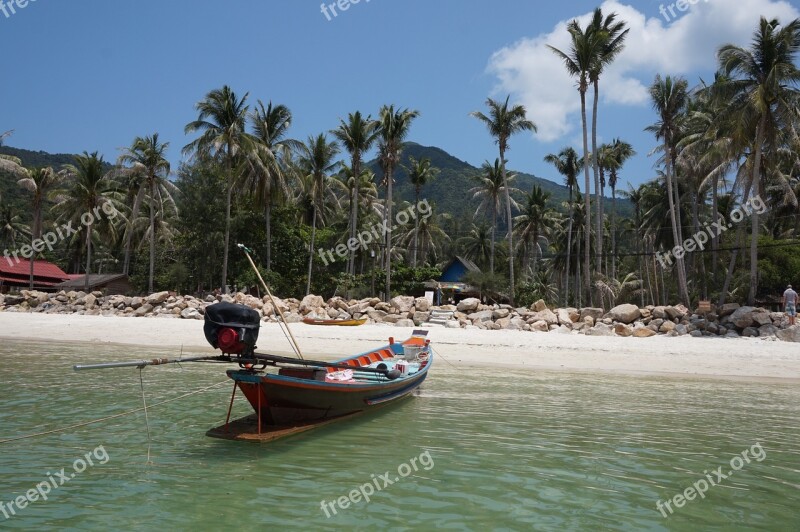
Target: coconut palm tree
pixel 395 125
pixel 762 92
pixel 41 183
pixel 567 163
pixel 669 96
pixel 147 157
pixel 534 225
pixel 420 173
pixel 12 228
pixel 619 153
pixel 222 124
pixel 489 190
pixel 503 123
pixel 357 135
pixel 317 163
pixel 89 190
pixel 611 35
pixel 477 245
pixel 271 124
pixel 10 164
pixel 586 47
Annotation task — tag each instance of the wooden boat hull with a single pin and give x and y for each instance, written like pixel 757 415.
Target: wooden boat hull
pixel 300 396
pixel 339 323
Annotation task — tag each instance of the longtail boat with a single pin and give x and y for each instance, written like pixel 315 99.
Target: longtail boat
pixel 340 323
pixel 292 395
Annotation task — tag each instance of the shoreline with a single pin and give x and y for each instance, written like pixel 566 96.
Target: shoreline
pixel 744 359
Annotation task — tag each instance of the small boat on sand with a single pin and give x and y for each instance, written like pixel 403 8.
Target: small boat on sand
pixel 340 323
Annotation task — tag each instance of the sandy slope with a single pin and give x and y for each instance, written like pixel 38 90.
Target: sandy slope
pixel 704 357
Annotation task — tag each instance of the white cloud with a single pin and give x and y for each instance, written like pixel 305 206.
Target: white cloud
pixel 684 45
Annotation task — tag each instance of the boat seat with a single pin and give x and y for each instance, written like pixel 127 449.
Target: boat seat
pixel 386 353
pixel 364 360
pixel 375 357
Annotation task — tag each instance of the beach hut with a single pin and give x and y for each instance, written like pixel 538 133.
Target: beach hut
pixel 108 283
pixel 15 275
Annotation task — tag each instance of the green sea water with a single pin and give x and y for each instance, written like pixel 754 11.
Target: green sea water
pixel 474 450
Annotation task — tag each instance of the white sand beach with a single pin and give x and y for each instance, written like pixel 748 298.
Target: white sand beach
pixel 743 358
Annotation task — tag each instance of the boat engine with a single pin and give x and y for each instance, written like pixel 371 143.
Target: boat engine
pixel 231 328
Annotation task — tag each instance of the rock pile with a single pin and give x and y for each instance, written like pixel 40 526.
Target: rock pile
pixel 403 311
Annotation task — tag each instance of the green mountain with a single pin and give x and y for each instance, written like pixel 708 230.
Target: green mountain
pixel 449 191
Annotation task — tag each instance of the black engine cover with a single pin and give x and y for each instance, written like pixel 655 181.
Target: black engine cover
pixel 241 318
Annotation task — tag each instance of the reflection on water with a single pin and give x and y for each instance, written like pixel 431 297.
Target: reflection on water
pixel 510 450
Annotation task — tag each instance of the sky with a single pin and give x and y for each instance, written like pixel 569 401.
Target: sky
pixel 90 75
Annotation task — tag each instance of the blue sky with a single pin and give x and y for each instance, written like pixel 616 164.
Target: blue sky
pixel 93 74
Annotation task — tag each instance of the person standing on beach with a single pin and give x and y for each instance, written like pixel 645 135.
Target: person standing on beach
pixel 789 302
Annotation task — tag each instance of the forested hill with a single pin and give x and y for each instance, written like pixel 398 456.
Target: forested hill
pixel 450 190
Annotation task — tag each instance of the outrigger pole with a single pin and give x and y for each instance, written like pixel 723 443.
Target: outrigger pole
pixel 283 323
pixel 153 362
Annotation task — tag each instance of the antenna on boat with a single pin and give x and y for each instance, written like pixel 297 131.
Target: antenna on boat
pixel 282 323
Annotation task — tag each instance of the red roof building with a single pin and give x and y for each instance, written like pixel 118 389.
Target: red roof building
pixel 46 275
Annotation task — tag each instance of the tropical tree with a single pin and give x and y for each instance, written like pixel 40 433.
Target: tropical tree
pixel 586 47
pixel 610 35
pixel 619 152
pixel 90 190
pixel 148 160
pixel 761 90
pixel 567 163
pixel 271 124
pixel 534 225
pixel 10 164
pixel 357 135
pixel 317 162
pixel 420 173
pixel 477 244
pixel 503 123
pixel 669 96
pixel 12 228
pixel 221 122
pixel 41 183
pixel 489 190
pixel 395 125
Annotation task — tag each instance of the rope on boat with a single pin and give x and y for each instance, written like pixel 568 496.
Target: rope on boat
pixel 144 406
pixel 129 412
pixel 438 354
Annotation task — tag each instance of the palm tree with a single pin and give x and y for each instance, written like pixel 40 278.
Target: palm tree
pixel 270 126
pixel 503 123
pixel 611 35
pixel 147 156
pixel 477 245
pixel 222 121
pixel 489 190
pixel 636 197
pixel 89 188
pixel 357 135
pixel 534 225
pixel 669 96
pixel 10 164
pixel 41 183
pixel 762 93
pixel 567 163
pixel 420 173
pixel 11 227
pixel 586 47
pixel 619 153
pixel 395 125
pixel 317 162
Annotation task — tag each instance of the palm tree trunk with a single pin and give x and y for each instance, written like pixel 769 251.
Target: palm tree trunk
pixel 510 226
pixel 756 189
pixel 129 233
pixel 351 261
pixel 416 227
pixel 494 229
pixel 152 239
pixel 715 238
pixel 311 250
pixel 227 227
pixel 682 288
pixel 88 258
pixel 569 250
pixel 268 228
pixel 613 231
pixel 597 191
pixel 35 233
pixel 388 226
pixel 587 267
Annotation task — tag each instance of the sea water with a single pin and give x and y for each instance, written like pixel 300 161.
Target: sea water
pixel 476 449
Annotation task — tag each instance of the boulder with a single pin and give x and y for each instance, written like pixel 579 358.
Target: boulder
pixel 539 326
pixel 503 323
pixel 563 329
pixel 539 306
pixel 90 301
pixel 500 313
pixel 484 315
pixel 667 326
pixel 728 309
pixel 292 317
pixel 311 303
pixel 762 318
pixel 143 310
pixel 643 332
pixel 622 329
pixel 592 312
pixel 660 312
pixel 750 332
pixel 403 304
pixel 790 334
pixel 681 329
pixel 422 304
pixel 567 316
pixel 678 311
pixel 157 298
pixel 190 313
pixel 376 315
pixel 626 313
pixel 404 323
pixel 767 330
pixel 421 317
pixel 601 329
pixel 136 302
pixel 468 305
pixel 743 317
pixel 546 315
